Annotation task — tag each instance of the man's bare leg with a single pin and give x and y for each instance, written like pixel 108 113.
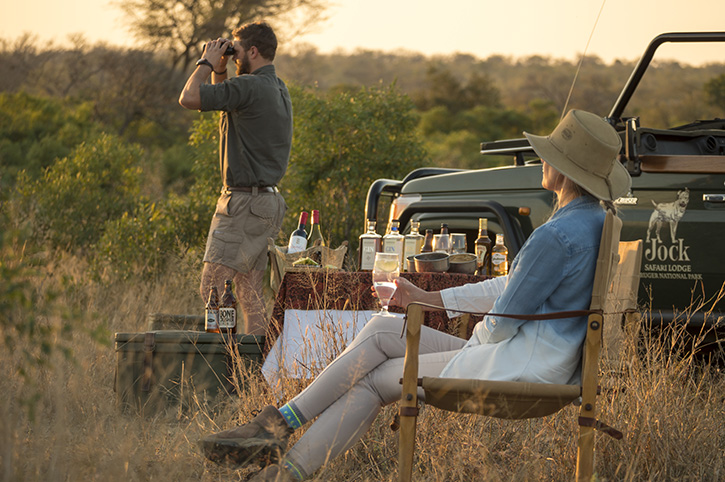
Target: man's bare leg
pixel 214 274
pixel 249 293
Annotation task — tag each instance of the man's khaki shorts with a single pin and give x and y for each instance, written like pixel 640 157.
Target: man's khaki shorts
pixel 240 227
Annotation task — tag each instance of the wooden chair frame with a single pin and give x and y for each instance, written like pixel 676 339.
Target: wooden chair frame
pixel 527 400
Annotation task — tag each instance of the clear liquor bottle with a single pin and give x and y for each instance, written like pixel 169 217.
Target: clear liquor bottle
pixel 393 241
pixel 413 241
pixel 370 243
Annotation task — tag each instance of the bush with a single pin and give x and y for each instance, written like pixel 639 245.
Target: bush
pixel 34 131
pixel 70 204
pixel 342 142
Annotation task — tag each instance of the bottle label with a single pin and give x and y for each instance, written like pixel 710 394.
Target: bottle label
pixel 500 265
pixel 227 318
pixel 212 320
pixel 297 244
pixel 411 247
pixel 480 255
pixel 394 245
pixel 367 258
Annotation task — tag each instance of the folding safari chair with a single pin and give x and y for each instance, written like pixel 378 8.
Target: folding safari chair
pixel 520 400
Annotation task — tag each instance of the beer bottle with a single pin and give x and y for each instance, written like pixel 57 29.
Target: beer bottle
pixel 211 325
pixel 499 258
pixel 427 242
pixel 483 248
pixel 228 310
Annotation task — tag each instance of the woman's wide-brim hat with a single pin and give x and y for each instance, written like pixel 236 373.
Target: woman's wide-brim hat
pixel 585 148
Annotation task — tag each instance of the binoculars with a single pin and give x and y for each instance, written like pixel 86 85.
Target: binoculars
pixel 229 51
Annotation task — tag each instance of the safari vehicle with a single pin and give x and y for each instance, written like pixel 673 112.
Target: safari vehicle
pixel 676 205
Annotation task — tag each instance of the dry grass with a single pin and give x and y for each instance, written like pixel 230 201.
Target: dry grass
pixel 670 406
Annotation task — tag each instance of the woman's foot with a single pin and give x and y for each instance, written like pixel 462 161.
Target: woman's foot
pixel 260 441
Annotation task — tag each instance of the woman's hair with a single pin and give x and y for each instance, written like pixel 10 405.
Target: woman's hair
pixel 575 190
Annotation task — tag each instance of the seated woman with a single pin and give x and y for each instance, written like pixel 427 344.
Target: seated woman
pixel 554 271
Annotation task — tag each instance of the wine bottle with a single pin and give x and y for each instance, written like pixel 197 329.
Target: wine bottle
pixel 483 248
pixel 315 238
pixel 499 258
pixel 370 243
pixel 298 239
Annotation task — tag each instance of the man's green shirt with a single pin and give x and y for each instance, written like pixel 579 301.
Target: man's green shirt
pixel 255 127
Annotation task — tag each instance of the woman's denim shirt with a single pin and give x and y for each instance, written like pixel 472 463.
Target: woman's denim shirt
pixel 554 271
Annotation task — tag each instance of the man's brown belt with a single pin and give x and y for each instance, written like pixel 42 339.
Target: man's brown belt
pixel 249 189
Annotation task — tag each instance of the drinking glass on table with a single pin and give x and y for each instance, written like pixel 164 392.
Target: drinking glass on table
pixel 458 243
pixel 442 243
pixel 385 271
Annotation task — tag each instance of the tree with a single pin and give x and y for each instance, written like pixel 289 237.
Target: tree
pixel 342 143
pixel 445 89
pixel 715 91
pixel 78 194
pixel 181 26
pixel 34 131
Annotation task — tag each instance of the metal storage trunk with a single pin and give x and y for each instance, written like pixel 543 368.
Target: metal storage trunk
pixel 165 321
pixel 160 369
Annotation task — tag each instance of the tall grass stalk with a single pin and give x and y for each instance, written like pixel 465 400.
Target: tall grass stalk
pixel 668 403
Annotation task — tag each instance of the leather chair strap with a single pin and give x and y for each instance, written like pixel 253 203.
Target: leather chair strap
pixel 601 426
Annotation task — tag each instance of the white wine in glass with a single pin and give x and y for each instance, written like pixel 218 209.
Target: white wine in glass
pixel 385 271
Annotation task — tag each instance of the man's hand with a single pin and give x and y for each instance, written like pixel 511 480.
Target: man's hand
pixel 190 97
pixel 214 53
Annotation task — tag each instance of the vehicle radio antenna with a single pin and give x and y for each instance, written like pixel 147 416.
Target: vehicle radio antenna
pixel 581 60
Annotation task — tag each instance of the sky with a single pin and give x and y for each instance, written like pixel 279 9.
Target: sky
pixel 515 28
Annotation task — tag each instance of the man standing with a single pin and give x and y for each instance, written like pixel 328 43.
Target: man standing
pixel 255 138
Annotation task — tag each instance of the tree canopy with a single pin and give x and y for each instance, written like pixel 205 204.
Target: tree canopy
pixel 180 27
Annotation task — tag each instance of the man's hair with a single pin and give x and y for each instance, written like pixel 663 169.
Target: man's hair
pixel 260 35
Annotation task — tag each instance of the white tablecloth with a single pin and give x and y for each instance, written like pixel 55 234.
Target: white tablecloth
pixel 311 339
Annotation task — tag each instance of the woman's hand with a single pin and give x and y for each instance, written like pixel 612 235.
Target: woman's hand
pixel 406 293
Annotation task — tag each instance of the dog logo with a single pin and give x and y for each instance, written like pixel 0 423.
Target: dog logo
pixel 670 212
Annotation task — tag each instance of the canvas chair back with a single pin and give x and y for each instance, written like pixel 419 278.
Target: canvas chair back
pixel 517 400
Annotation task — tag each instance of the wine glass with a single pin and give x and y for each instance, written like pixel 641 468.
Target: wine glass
pixel 385 271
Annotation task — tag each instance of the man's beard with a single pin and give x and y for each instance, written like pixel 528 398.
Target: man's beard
pixel 243 66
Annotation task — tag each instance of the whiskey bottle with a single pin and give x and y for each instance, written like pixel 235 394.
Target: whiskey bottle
pixel 499 258
pixel 483 248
